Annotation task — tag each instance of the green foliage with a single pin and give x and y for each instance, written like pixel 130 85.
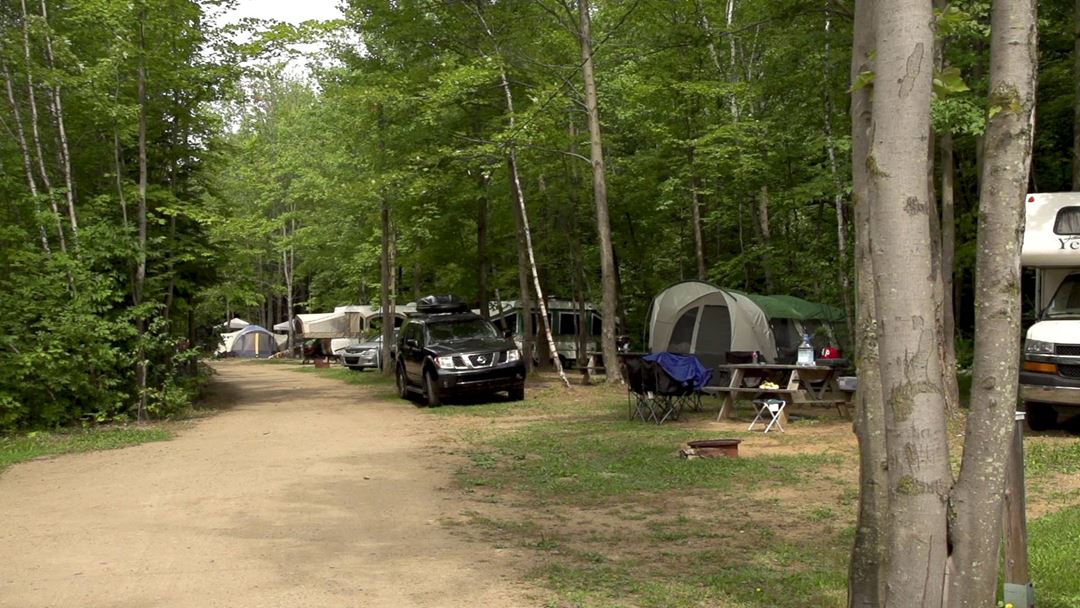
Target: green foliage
pixel 16 449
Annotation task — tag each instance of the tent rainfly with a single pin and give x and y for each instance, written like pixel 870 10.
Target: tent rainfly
pixel 694 317
pixel 791 318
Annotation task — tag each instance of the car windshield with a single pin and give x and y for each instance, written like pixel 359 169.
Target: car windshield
pixel 1066 302
pixel 462 329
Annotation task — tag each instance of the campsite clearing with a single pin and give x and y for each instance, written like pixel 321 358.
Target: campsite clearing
pixel 321 488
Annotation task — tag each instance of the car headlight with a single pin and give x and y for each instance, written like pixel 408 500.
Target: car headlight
pixel 1038 347
pixel 445 362
pixel 513 355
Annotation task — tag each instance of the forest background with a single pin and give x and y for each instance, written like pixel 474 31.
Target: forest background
pixel 157 181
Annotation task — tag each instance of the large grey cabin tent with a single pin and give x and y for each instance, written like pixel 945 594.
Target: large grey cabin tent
pixel 252 341
pixel 697 318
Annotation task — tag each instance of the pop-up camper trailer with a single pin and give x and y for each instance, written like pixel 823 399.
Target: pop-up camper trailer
pixel 698 318
pixel 1050 374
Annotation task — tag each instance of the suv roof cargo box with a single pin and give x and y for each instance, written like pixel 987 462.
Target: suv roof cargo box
pixel 441 304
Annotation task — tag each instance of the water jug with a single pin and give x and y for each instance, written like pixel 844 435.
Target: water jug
pixel 806 352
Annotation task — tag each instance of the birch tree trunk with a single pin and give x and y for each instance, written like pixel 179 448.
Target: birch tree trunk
pixel 64 153
pixel 916 443
pixel 24 149
pixel 603 221
pixel 31 97
pixel 866 577
pixel 523 215
pixel 838 195
pixel 977 497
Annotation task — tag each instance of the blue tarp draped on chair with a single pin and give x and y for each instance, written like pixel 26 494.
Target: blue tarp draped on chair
pixel 685 369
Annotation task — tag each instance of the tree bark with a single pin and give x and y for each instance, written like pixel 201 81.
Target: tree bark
pixel 482 265
pixel 385 267
pixel 523 217
pixel 695 216
pixel 603 221
pixel 765 233
pixel 1076 103
pixel 140 268
pixel 948 270
pixel 31 97
pixel 916 443
pixel 978 493
pixel 24 149
pixel 866 576
pixel 61 132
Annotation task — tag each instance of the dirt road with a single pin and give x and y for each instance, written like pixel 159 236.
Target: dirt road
pixel 304 493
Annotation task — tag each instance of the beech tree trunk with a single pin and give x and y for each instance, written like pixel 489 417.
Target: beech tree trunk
pixel 978 495
pixel 140 267
pixel 948 270
pixel 386 268
pixel 603 221
pixel 919 478
pixel 866 576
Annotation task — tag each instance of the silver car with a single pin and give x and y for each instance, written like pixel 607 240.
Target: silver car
pixel 366 355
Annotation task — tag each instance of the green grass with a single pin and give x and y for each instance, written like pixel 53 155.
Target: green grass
pixel 16 449
pixel 1053 542
pixel 1051 457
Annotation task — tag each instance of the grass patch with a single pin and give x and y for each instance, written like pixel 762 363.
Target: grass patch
pixel 1053 540
pixel 15 449
pixel 1045 457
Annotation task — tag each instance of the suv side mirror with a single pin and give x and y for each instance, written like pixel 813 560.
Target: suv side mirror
pixel 411 343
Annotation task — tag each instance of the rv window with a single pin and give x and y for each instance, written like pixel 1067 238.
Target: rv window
pixel 683 333
pixel 1067 221
pixel 597 325
pixel 1066 302
pixel 714 335
pixel 510 322
pixel 567 324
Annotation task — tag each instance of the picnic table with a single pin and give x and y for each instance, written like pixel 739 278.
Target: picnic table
pixel 797 384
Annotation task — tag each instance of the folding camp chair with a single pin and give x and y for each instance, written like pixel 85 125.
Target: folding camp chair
pixel 771 410
pixel 640 390
pixel 676 395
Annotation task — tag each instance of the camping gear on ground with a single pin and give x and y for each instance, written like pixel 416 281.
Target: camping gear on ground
pixel 654 395
pixel 771 410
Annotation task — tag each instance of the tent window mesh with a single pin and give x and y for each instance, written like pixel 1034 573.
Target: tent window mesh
pixel 683 333
pixel 786 334
pixel 714 336
pixel 1068 221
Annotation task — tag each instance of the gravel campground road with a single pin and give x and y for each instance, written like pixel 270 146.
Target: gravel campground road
pixel 304 492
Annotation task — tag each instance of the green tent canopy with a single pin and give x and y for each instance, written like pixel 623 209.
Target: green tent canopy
pixel 791 307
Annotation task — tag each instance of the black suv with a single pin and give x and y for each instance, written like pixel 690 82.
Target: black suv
pixel 447 350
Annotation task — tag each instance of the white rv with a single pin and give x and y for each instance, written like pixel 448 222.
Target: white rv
pixel 1050 374
pixel 563 317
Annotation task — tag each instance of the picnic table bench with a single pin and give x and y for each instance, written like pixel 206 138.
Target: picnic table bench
pixel 804 385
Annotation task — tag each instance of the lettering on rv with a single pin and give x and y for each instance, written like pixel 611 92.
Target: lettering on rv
pixel 1072 244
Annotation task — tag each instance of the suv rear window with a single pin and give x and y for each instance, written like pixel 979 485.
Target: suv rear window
pixel 462 329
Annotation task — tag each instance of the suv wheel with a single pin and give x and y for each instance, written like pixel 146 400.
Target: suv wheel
pixel 431 389
pixel 517 394
pixel 402 382
pixel 1041 416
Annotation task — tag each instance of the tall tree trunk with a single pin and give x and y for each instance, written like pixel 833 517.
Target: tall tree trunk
pixel 140 268
pixel 918 468
pixel 765 232
pixel 978 494
pixel 866 576
pixel 523 216
pixel 838 186
pixel 525 302
pixel 386 279
pixel 603 221
pixel 948 262
pixel 24 149
pixel 287 266
pixel 31 97
pixel 61 132
pixel 482 266
pixel 695 216
pixel 1076 102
